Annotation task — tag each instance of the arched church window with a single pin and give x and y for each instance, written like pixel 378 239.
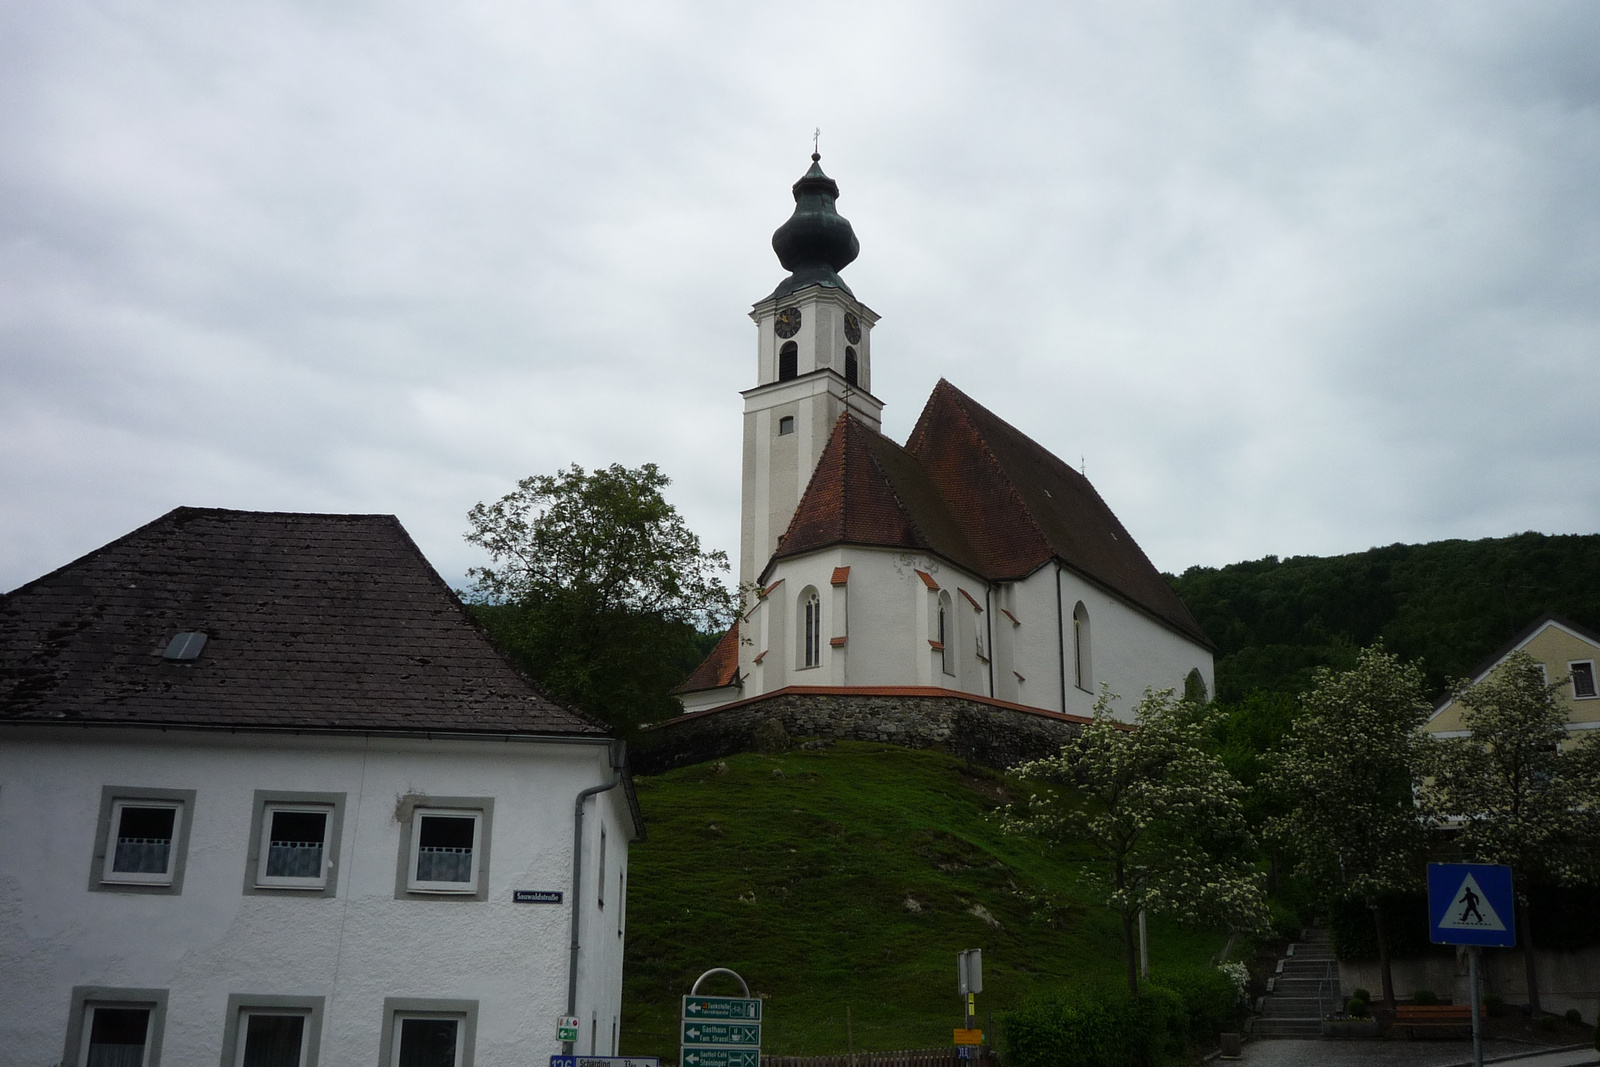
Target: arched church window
pixel 947 654
pixel 1194 687
pixel 1081 664
pixel 850 366
pixel 811 652
pixel 788 361
pixel 785 425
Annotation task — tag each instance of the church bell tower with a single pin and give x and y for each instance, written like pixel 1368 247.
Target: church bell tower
pixel 813 363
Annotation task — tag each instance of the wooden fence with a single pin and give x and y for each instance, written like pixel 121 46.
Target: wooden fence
pixel 921 1057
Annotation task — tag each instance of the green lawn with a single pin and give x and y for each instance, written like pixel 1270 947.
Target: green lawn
pixel 846 879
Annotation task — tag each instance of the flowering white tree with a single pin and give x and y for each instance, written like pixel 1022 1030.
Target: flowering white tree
pixel 1160 815
pixel 1345 770
pixel 1517 790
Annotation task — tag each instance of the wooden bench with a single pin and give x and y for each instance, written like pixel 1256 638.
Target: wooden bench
pixel 1434 1017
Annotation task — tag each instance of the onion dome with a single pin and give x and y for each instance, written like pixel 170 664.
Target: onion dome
pixel 817 242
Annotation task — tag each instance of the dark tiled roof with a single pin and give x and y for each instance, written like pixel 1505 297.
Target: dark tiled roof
pixel 314 622
pixel 719 668
pixel 1021 506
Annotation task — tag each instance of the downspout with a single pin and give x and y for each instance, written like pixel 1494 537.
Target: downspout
pixel 988 633
pixel 1061 643
pixel 618 761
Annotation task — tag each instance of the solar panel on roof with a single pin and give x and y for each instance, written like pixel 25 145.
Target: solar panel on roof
pixel 185 646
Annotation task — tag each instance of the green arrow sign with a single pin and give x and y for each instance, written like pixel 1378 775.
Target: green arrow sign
pixel 720 1057
pixel 740 1035
pixel 747 1009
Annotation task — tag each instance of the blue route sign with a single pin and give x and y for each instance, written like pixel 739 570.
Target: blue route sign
pixel 1471 904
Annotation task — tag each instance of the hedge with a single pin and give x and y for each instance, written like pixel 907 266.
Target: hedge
pixel 1106 1026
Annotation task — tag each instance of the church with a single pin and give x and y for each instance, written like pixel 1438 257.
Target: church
pixel 970 561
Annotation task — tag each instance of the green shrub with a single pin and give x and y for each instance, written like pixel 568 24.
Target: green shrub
pixel 1494 1004
pixel 1574 1016
pixel 1091 1026
pixel 1424 997
pixel 1208 997
pixel 1357 1007
pixel 1362 995
pixel 1286 925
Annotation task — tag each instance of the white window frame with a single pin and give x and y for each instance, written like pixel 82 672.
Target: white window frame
pixel 164 878
pixel 1594 683
pixel 467 888
pixel 86 1000
pixel 269 881
pixel 242 1043
pixel 810 629
pixel 397 1010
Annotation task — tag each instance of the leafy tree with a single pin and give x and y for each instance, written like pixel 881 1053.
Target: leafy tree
pixel 1516 790
pixel 598 588
pixel 1344 772
pixel 1160 814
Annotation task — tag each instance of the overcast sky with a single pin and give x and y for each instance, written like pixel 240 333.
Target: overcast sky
pixel 1284 277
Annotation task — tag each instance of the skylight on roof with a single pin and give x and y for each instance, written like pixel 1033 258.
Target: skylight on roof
pixel 185 646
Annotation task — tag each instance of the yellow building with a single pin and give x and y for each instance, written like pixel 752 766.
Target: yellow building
pixel 1568 653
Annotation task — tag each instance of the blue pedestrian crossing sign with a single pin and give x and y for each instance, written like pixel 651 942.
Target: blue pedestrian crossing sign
pixel 1471 904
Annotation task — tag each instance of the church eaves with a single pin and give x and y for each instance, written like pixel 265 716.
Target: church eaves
pixel 1021 506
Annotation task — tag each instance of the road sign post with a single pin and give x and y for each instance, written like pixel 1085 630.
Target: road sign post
pixel 720 1031
pixel 969 980
pixel 1472 904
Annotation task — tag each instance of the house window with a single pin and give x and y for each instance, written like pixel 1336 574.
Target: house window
pixel 115 1027
pixel 268 1031
pixel 788 361
pixel 294 843
pixel 811 653
pixel 1081 664
pixel 142 840
pixel 428 1033
pixel 1194 687
pixel 785 425
pixel 1582 679
pixel 445 847
pixel 850 365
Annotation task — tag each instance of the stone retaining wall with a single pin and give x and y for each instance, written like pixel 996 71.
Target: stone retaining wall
pixel 974 730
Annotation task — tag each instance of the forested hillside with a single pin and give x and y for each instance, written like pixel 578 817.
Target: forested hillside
pixel 1449 604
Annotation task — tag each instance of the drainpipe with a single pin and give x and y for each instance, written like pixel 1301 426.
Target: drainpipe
pixel 619 759
pixel 1061 643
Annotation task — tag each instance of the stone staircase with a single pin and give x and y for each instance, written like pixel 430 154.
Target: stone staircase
pixel 1305 988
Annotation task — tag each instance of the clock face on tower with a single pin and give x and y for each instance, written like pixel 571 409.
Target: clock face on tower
pixel 852 328
pixel 788 322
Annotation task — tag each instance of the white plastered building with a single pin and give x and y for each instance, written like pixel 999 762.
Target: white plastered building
pixel 970 559
pixel 266 791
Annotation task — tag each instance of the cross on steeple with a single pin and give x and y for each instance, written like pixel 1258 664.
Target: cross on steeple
pixel 816 136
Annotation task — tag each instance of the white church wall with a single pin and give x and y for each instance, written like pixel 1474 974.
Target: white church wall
pixel 354 948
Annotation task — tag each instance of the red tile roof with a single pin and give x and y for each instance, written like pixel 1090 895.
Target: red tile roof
pixel 720 668
pixel 974 489
pixel 841 576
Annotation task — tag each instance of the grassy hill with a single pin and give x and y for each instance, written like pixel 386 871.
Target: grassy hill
pixel 1449 604
pixel 847 879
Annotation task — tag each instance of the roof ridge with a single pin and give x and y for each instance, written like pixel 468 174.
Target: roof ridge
pixel 899 501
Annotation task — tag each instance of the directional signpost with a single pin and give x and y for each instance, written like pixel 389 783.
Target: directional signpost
pixel 720 1031
pixel 1472 904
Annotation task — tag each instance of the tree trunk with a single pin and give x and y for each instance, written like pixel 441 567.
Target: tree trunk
pixel 1383 953
pixel 1130 948
pixel 1525 933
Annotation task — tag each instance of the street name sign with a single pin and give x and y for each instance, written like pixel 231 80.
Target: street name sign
pixel 696 1032
pixel 720 1057
pixel 746 1008
pixel 604 1061
pixel 536 896
pixel 1471 904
